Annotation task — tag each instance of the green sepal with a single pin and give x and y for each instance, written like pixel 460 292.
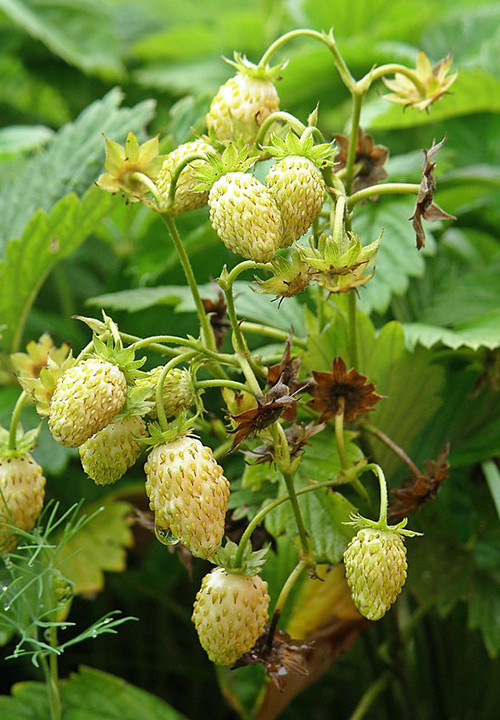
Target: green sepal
pixel 137 403
pixel 360 522
pixel 262 72
pixel 231 160
pixel 321 155
pixel 41 389
pixel 177 428
pixel 25 442
pixel 252 562
pixel 290 276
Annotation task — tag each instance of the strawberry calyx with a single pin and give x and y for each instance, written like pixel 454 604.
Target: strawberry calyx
pixel 25 442
pixel 261 72
pixel 322 155
pixel 231 160
pixel 251 562
pixel 179 427
pixel 361 523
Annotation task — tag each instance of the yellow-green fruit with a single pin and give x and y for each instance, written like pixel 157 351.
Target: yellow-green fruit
pixel 86 398
pixel 240 107
pixel 178 390
pixel 230 612
pixel 375 566
pixel 245 216
pixel 298 188
pixel 108 455
pixel 21 500
pixel 188 494
pixel 185 197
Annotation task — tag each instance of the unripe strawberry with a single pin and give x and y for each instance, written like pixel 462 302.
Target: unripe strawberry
pixel 22 484
pixel 188 493
pixel 375 566
pixel 185 197
pixel 108 455
pixel 86 398
pixel 245 216
pixel 178 390
pixel 230 613
pixel 298 188
pixel 243 103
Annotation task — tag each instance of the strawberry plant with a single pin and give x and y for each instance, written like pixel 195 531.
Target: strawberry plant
pixel 295 435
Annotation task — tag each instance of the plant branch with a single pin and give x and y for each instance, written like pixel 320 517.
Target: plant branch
pixel 396 449
pixel 16 414
pixel 384 189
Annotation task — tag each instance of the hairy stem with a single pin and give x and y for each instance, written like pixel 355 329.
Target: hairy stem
pixel 384 189
pixel 160 407
pixel 222 382
pixel 396 449
pixel 377 470
pixel 357 101
pixel 16 414
pixel 207 334
pixel 176 175
pixel 392 69
pixel 272 332
pixel 283 597
pixel 353 328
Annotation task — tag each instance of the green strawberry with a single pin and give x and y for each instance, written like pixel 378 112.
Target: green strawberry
pixel 230 612
pixel 21 500
pixel 86 398
pixel 108 455
pixel 243 103
pixel 188 494
pixel 185 198
pixel 375 566
pixel 178 390
pixel 245 216
pixel 296 183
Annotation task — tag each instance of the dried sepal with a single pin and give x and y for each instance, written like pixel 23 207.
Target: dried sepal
pixel 342 390
pixel 425 206
pixel 422 488
pixel 369 160
pixel 269 409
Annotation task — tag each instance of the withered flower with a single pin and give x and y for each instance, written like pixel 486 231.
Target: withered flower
pixel 218 318
pixel 369 159
pixel 269 409
pixel 297 437
pixel 434 82
pixel 287 370
pixel 426 207
pixel 421 488
pixel 342 390
pixel 282 656
pixel 123 162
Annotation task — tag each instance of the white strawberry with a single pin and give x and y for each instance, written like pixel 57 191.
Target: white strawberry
pixel 185 197
pixel 108 455
pixel 21 500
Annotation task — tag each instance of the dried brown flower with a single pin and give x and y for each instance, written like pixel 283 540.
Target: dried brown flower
pixel 297 438
pixel 426 207
pixel 421 488
pixel 269 409
pixel 218 318
pixel 369 159
pixel 342 390
pixel 282 656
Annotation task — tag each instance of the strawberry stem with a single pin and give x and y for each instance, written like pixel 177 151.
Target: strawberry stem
pixel 392 69
pixel 377 470
pixel 283 597
pixel 385 189
pixel 175 178
pixel 16 414
pixel 160 407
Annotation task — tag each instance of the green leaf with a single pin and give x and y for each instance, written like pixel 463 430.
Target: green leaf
pixel 80 32
pixel 483 331
pixel 18 139
pixel 411 384
pixel 87 695
pixel 474 91
pixel 99 546
pixel 320 461
pixel 324 513
pixel 398 260
pixel 71 162
pixel 248 304
pixel 47 239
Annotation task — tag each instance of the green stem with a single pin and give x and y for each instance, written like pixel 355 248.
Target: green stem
pixel 222 382
pixel 176 175
pixel 207 334
pixel 272 332
pixel 338 222
pixel 227 281
pixel 370 696
pixel 339 436
pixel 16 414
pixel 392 69
pixel 249 374
pixel 283 597
pixel 153 189
pixel 292 494
pixel 153 343
pixel 52 688
pixel 396 449
pixel 327 39
pixel 279 116
pixel 353 329
pixel 160 406
pixel 357 101
pixel 385 189
pixel 383 490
